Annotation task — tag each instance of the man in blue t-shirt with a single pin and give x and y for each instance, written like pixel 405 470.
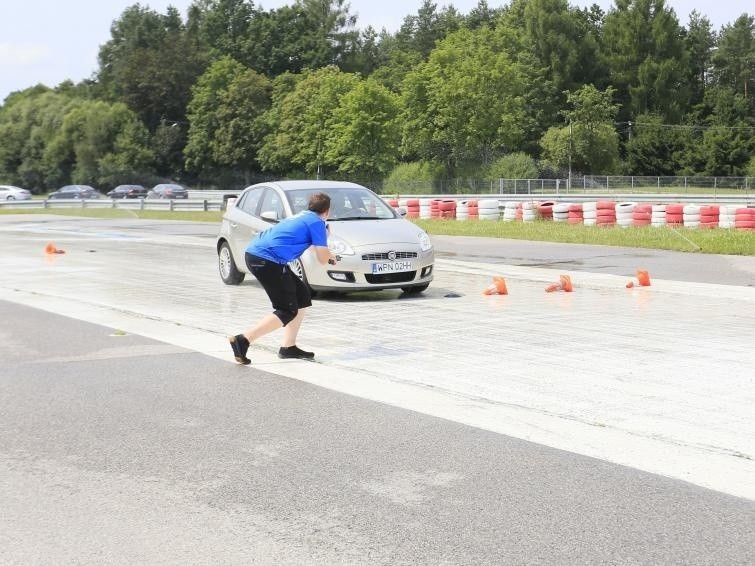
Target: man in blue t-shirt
pixel 267 258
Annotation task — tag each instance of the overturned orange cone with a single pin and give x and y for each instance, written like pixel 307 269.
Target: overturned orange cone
pixel 498 287
pixel 51 249
pixel 564 284
pixel 643 279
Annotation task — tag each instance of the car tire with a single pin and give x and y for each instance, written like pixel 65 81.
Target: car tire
pixel 227 267
pixel 297 268
pixel 416 289
pixel 10 197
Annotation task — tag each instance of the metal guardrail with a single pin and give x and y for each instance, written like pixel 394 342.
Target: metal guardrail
pixel 182 205
pixel 219 204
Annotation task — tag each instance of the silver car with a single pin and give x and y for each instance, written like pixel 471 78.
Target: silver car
pixel 375 246
pixel 9 192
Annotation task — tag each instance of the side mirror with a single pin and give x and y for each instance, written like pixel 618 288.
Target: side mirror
pixel 270 216
pixel 401 210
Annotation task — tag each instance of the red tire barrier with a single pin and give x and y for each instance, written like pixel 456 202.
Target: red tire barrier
pixel 674 214
pixel 605 205
pixel 473 209
pixel 545 210
pixel 642 215
pixel 575 214
pixel 447 209
pixel 744 219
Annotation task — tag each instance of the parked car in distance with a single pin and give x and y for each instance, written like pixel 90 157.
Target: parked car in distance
pixel 76 191
pixel 128 191
pixel 168 190
pixel 9 192
pixel 376 247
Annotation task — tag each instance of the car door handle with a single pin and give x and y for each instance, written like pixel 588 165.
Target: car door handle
pixel 234 225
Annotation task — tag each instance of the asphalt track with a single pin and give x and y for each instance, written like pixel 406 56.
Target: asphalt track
pixel 116 449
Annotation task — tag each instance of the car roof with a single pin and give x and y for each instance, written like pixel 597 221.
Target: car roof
pixel 10 187
pixel 309 184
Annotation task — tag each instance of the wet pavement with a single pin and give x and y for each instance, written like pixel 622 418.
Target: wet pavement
pixel 656 378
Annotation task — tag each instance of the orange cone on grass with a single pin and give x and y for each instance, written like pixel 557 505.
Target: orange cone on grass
pixel 564 284
pixel 498 287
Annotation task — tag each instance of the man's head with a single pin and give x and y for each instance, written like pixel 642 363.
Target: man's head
pixel 319 203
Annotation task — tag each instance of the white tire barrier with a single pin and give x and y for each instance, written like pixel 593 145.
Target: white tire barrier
pixel 488 209
pixel 561 211
pixel 691 215
pixel 509 210
pixel 529 211
pixel 658 215
pixel 624 213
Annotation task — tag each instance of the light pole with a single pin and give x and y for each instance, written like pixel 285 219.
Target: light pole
pixel 568 183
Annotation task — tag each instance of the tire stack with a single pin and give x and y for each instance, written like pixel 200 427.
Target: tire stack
pixel 529 211
pixel 425 208
pixel 435 208
pixel 691 216
pixel 395 203
pixel 709 216
pixel 509 210
pixel 545 210
pixel 590 213
pixel 447 209
pixel 575 214
pixel 624 213
pixel 658 216
pixel 642 215
pixel 462 210
pixel 674 215
pixel 412 207
pixel 561 212
pixel 488 209
pixel 605 213
pixel 744 219
pixel 473 209
pixel 727 213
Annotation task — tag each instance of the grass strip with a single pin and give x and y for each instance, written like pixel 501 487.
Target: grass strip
pixel 198 216
pixel 716 241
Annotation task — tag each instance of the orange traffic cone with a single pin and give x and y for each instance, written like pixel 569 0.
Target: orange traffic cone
pixel 564 284
pixel 643 279
pixel 51 249
pixel 498 287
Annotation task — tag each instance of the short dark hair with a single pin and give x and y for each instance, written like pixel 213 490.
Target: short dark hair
pixel 319 203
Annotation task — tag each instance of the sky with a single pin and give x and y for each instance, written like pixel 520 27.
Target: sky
pixel 49 41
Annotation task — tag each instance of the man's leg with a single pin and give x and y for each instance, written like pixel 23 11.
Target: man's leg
pixel 291 330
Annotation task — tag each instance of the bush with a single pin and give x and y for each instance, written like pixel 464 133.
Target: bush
pixel 751 167
pixel 418 177
pixel 513 166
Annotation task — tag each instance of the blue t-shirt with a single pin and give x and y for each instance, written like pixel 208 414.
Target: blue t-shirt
pixel 290 238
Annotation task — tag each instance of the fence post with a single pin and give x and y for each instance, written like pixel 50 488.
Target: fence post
pixel 141 204
pixel 658 180
pixel 529 187
pixel 685 184
pixel 170 204
pixel 204 205
pixel 632 183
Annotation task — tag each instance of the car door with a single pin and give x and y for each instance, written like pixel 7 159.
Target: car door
pixel 244 222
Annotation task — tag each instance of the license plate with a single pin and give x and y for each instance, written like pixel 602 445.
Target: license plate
pixel 392 266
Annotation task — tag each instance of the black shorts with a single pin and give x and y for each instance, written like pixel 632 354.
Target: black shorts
pixel 286 291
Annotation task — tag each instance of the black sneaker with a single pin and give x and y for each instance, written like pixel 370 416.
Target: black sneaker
pixel 240 346
pixel 294 353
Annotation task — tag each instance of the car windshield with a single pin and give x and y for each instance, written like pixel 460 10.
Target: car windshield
pixel 345 203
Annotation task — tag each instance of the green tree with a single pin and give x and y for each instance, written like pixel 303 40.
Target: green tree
pixel 590 141
pixel 517 165
pixel 150 64
pixel 366 131
pixel 700 41
pixel 99 143
pixel 466 104
pixel 301 121
pixel 653 148
pixel 227 123
pixel 734 60
pixel 644 50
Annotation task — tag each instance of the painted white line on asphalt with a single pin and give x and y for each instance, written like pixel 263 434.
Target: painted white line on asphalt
pixel 719 471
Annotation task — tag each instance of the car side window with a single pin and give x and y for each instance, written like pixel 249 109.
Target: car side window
pixel 272 202
pixel 251 200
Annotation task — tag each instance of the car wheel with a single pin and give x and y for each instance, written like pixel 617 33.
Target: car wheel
pixel 10 197
pixel 227 267
pixel 416 290
pixel 297 268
